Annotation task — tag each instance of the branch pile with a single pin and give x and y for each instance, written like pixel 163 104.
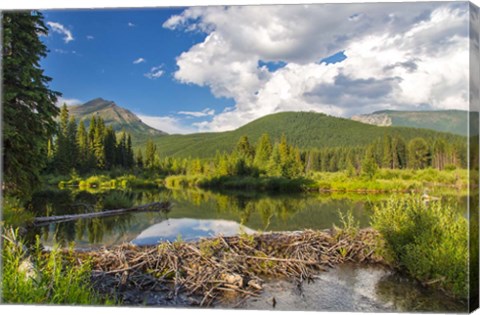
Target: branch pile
pixel 201 272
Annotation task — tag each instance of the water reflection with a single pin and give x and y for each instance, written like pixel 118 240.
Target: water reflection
pixel 258 212
pixel 188 229
pixel 351 287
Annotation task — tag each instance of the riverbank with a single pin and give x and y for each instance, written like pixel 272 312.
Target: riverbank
pixel 384 181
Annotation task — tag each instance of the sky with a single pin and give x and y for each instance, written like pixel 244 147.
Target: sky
pixel 215 68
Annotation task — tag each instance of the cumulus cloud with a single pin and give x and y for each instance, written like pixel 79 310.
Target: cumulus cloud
pixel 168 124
pixel 155 72
pixel 399 56
pixel 59 28
pixel 139 60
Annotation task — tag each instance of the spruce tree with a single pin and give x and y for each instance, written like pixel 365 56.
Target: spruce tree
pixel 84 156
pixel 263 151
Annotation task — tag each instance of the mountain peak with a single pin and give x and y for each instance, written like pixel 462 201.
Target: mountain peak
pixel 116 116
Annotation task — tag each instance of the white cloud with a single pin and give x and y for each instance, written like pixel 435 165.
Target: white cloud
pixel 130 24
pixel 167 124
pixel 139 60
pixel 203 113
pixel 155 72
pixel 68 101
pixel 59 28
pixel 399 56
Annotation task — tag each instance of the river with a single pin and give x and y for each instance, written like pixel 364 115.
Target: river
pixel 198 213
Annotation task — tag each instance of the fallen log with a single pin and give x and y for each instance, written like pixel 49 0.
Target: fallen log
pixel 155 206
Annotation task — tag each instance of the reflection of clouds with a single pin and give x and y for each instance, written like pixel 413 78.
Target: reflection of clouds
pixel 189 229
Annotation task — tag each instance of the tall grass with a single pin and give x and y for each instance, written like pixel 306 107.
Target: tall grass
pixel 43 277
pixel 428 240
pixel 14 213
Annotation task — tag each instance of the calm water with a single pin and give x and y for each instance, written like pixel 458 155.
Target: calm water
pixel 357 288
pixel 195 214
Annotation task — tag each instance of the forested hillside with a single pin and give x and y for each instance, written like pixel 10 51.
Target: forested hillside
pixel 305 130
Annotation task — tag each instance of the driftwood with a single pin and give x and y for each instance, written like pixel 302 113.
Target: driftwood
pixel 155 206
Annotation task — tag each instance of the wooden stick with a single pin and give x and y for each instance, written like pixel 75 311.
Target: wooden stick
pixel 155 206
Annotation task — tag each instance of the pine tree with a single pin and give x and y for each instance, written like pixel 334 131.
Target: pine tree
pixel 150 153
pixel 98 143
pixel 275 163
pixel 263 151
pixel 139 158
pixel 66 145
pixel 369 164
pixel 110 148
pixel 244 149
pixel 84 155
pixel 129 152
pixel 418 153
pixel 72 143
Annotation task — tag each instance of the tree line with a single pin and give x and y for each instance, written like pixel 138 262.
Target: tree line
pixel 281 159
pixel 74 147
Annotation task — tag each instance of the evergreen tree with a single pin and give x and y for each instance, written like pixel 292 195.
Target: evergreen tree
pixel 72 143
pixel 98 143
pixel 150 153
pixel 84 155
pixel 275 162
pixel 418 153
pixel 263 151
pixel 110 148
pixel 244 149
pixel 369 164
pixel 129 152
pixel 62 146
pixel 139 158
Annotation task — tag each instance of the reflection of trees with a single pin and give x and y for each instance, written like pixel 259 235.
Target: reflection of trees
pixel 58 202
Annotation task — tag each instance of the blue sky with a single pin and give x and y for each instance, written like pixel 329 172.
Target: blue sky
pixel 99 61
pixel 185 70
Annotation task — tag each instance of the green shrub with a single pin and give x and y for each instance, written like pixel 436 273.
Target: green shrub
pixel 428 240
pixel 14 213
pixel 43 277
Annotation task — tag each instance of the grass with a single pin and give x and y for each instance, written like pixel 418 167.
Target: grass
pixel 428 240
pixel 43 277
pixel 386 180
pixel 13 212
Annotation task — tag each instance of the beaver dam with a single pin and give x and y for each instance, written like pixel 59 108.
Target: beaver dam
pixel 213 270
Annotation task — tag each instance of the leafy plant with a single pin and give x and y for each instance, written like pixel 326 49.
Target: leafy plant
pixel 428 240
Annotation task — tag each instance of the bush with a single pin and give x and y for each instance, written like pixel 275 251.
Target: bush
pixel 14 213
pixel 44 277
pixel 428 240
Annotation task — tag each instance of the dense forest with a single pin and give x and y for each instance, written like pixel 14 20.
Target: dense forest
pixel 74 148
pixel 279 158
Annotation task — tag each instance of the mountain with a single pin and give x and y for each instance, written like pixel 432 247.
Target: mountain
pixel 453 121
pixel 113 115
pixel 303 129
